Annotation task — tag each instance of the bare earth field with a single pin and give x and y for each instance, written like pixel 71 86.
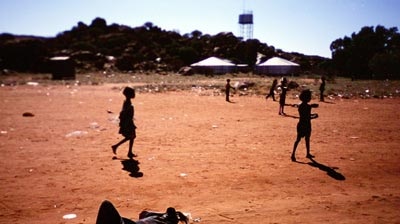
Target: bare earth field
pixel 221 162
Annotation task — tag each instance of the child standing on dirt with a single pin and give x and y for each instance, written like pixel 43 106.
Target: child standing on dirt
pixel 228 87
pixel 282 99
pixel 322 89
pixel 272 90
pixel 127 127
pixel 304 125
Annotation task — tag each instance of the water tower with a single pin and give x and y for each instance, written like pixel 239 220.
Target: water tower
pixel 246 25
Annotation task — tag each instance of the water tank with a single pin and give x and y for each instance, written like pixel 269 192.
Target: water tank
pixel 246 19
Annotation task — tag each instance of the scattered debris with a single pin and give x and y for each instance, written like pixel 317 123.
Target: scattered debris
pixel 32 83
pixel 94 125
pixel 70 216
pixel 197 219
pixel 183 175
pixel 113 118
pixel 186 70
pixel 76 134
pixel 243 85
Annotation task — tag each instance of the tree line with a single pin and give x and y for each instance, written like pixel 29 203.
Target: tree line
pixel 370 53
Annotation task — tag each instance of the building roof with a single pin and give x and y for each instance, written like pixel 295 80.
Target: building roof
pixel 213 61
pixel 59 58
pixel 277 61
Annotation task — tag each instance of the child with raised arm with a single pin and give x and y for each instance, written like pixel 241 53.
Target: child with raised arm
pixel 126 126
pixel 304 125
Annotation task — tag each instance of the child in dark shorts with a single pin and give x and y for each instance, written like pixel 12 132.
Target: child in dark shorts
pixel 304 125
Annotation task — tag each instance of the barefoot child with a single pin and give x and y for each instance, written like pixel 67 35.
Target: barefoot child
pixel 126 126
pixel 322 89
pixel 272 90
pixel 228 88
pixel 304 125
pixel 282 99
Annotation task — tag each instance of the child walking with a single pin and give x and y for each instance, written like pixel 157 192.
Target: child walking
pixel 127 127
pixel 272 90
pixel 304 125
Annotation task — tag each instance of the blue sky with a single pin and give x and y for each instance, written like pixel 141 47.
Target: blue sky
pixel 307 26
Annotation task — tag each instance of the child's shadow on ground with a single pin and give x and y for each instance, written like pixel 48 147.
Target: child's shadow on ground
pixel 327 102
pixel 331 171
pixel 292 116
pixel 132 166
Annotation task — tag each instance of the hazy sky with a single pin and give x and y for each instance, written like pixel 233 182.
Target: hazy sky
pixel 307 26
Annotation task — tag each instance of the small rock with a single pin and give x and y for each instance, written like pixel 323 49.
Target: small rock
pixel 28 114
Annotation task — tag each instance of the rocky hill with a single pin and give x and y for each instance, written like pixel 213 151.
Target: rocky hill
pixel 99 46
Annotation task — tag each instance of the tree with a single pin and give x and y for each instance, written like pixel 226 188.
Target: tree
pixel 148 25
pixel 364 53
pixel 196 34
pixel 385 65
pixel 24 56
pixel 99 23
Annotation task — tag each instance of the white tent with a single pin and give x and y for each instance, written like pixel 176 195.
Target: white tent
pixel 277 66
pixel 214 65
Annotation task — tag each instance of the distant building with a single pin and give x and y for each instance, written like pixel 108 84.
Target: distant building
pixel 62 68
pixel 213 65
pixel 277 66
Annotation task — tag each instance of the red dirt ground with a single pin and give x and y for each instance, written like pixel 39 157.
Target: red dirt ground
pixel 221 162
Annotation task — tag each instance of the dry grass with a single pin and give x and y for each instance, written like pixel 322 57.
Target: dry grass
pixel 156 83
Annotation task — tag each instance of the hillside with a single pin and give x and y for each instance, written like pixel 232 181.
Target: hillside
pixel 99 46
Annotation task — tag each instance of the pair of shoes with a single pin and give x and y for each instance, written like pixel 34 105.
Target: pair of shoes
pixel 131 155
pixel 114 149
pixel 310 156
